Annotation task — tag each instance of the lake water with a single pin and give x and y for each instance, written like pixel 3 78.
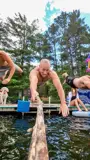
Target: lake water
pixel 67 138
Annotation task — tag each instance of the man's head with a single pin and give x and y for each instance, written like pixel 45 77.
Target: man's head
pixel 44 67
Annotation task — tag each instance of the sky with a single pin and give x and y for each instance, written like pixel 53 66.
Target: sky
pixel 44 10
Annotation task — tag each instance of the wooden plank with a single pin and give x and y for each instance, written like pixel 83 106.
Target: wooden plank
pixel 46 108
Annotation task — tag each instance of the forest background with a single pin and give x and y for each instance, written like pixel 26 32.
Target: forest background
pixel 66 43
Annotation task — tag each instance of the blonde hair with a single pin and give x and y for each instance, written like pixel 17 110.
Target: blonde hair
pixel 64 75
pixel 74 89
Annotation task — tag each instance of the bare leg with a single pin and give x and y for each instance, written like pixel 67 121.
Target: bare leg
pixel 82 104
pixel 75 103
pixel 18 69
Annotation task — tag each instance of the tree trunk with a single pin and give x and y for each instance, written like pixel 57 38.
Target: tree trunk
pixel 38 148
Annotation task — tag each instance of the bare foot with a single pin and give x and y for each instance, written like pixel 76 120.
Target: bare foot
pixel 5 81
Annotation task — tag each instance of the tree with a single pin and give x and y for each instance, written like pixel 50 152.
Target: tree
pixel 22 50
pixel 74 42
pixel 5 41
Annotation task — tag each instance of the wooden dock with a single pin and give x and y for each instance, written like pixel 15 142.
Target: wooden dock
pixel 33 108
pixel 47 108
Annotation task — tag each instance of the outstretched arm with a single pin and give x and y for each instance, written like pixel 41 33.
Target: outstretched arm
pixel 64 109
pixel 33 84
pixel 18 69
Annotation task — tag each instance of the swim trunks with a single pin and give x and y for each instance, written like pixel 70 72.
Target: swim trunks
pixel 3 69
pixel 69 81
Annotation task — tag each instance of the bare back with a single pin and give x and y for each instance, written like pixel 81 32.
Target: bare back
pixel 83 82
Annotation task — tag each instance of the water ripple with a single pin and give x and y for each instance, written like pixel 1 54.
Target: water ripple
pixel 67 138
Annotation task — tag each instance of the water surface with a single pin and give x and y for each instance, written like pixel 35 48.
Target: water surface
pixel 67 138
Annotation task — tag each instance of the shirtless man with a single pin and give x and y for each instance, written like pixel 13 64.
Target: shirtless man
pixel 43 73
pixel 80 82
pixel 7 65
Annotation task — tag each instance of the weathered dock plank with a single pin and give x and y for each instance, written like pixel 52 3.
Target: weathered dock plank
pixel 47 108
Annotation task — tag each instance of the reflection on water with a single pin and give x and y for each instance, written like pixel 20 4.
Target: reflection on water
pixel 14 139
pixel 68 138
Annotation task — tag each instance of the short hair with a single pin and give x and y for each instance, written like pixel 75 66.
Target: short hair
pixel 45 61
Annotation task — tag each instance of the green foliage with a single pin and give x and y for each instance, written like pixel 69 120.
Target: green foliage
pixel 73 42
pixel 66 43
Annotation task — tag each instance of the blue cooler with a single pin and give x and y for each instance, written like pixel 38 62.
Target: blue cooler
pixel 23 106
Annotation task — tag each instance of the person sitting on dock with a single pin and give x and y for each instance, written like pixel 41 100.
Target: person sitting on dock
pixel 77 82
pixel 74 99
pixel 42 73
pixel 7 65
